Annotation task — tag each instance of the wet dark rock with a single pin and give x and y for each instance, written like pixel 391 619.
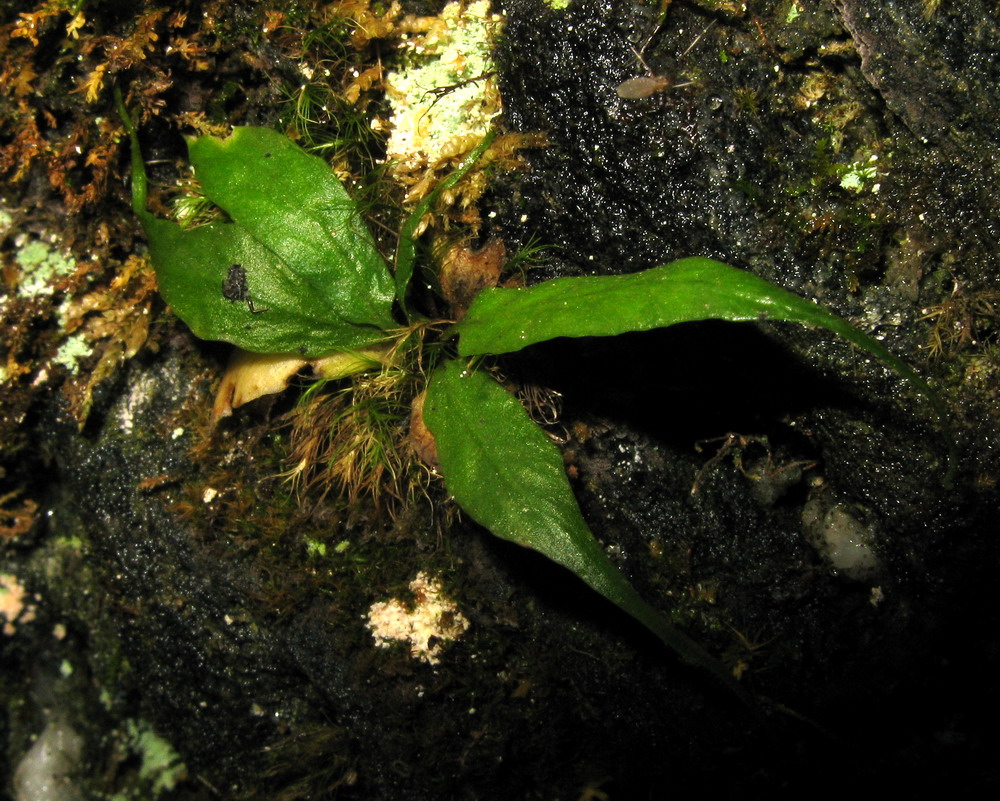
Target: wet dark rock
pixel 696 453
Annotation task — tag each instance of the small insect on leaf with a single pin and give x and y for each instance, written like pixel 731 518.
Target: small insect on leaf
pixel 234 287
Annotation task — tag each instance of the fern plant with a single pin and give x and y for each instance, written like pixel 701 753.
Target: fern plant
pixel 293 269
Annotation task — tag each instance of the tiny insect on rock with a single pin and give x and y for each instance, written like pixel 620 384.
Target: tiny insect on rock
pixel 643 86
pixel 651 84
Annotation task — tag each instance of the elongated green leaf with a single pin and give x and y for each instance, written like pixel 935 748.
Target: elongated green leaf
pixel 295 270
pixel 506 320
pixel 506 474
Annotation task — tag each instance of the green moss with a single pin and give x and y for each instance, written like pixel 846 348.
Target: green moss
pixel 73 543
pixel 161 766
pixel 856 176
pixel 315 547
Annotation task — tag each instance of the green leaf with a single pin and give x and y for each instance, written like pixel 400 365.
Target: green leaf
pixel 506 474
pixel 294 270
pixel 506 320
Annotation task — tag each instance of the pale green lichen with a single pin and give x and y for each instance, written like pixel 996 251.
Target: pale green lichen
pixel 71 351
pixel 41 268
pixel 793 12
pixel 443 100
pixel 557 5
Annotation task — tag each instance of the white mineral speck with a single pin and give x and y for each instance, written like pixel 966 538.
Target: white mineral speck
pixel 430 622
pixel 841 538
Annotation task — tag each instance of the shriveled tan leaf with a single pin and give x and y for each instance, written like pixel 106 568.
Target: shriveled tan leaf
pixel 421 439
pixel 252 375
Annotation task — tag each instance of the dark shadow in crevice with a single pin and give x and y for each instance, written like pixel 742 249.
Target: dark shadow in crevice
pixel 682 384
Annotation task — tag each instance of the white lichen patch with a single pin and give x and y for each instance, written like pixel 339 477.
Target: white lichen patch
pixel 139 396
pixel 426 625
pixel 445 98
